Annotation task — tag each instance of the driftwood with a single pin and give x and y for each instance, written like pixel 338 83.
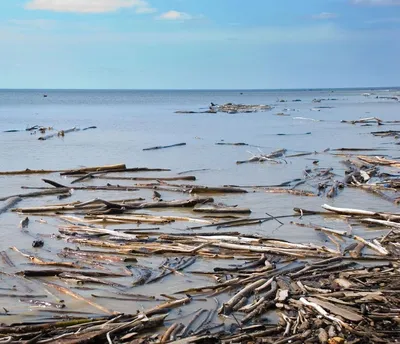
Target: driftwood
pixel 291 192
pixel 111 169
pixel 162 147
pixel 342 289
pixel 365 120
pixel 65 207
pixel 205 189
pixel 230 108
pixel 187 178
pixel 379 161
pixel 66 172
pixel 69 292
pixel 59 133
pixel 48 192
pixel 386 133
pixel 9 203
pixel 221 210
pixel 265 157
pixel 232 144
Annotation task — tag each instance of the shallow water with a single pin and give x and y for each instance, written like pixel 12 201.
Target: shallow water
pixel 128 121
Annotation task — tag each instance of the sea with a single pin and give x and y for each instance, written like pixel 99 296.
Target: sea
pixel 128 121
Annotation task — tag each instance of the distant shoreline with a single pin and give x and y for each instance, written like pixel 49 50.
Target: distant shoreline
pixel 388 88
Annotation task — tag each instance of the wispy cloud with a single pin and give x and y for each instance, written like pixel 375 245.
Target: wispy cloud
pixel 175 15
pixel 313 34
pixel 376 2
pixel 384 20
pixel 89 6
pixel 41 24
pixel 324 16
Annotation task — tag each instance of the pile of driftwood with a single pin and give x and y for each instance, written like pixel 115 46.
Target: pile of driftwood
pixel 42 130
pixel 259 289
pixel 230 108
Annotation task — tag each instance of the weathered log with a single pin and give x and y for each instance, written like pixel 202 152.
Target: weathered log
pixel 85 170
pixel 162 147
pixel 221 210
pixel 9 203
pixel 187 178
pixel 65 207
pixel 231 144
pixel 206 189
pixel 291 192
pixel 364 120
pixel 376 247
pixel 227 306
pixel 59 133
pixel 168 305
pixel 49 192
pixel 77 171
pixel 78 297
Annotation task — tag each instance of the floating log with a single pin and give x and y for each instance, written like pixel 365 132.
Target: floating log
pixel 232 144
pixel 78 297
pixel 221 210
pixel 66 172
pixel 379 161
pixel 386 133
pixel 188 178
pixel 291 192
pixel 9 203
pixel 207 189
pixel 162 147
pixel 364 120
pixel 48 192
pixel 59 133
pixel 85 170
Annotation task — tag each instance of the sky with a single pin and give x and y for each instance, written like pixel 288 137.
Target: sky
pixel 199 44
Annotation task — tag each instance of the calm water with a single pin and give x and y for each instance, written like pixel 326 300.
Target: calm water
pixel 128 121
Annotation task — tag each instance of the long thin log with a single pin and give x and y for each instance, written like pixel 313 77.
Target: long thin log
pixel 291 192
pixel 162 147
pixel 227 307
pixel 10 202
pixel 87 188
pixel 168 305
pixel 381 250
pixel 48 192
pixel 38 261
pixel 103 168
pixel 382 222
pixel 78 297
pixel 58 133
pixel 101 231
pixel 187 178
pixel 221 210
pixel 348 211
pixel 76 171
pixel 169 204
pixel 320 228
pixel 206 189
pixel 73 206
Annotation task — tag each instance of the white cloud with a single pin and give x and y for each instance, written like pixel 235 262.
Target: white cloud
pixel 325 15
pixel 377 2
pixel 175 15
pixel 145 10
pixel 88 6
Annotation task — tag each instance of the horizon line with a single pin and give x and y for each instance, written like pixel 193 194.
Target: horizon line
pixel 204 89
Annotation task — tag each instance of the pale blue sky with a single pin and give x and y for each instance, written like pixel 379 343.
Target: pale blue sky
pixel 199 44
